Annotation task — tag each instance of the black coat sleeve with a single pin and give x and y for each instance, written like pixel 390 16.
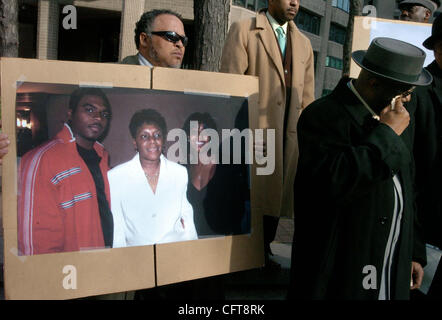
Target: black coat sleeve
pixel 341 157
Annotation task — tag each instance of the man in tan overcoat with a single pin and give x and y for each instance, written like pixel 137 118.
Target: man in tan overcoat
pixel 286 86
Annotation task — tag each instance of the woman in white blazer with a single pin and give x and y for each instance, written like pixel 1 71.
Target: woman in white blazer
pixel 148 193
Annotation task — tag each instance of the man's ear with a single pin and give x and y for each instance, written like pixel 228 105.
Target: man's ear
pixel 69 115
pixel 427 15
pixel 135 144
pixel 144 38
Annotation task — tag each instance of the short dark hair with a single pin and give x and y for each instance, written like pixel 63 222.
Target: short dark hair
pixel 147 116
pixel 204 118
pixel 79 93
pixel 146 21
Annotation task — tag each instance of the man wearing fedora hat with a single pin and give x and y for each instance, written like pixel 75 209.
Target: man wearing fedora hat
pixel 355 234
pixel 425 109
pixel 418 10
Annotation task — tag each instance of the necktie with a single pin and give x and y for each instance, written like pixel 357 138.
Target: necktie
pixel 281 39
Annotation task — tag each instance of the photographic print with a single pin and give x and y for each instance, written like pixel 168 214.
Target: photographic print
pixel 115 175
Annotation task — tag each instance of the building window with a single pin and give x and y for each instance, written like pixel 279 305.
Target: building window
pixel 333 62
pixel 253 5
pixel 342 4
pixel 337 33
pixel 315 58
pixel 308 22
pixel 240 3
pixel 98 31
pixel 261 4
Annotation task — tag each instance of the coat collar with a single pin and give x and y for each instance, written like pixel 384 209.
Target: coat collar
pixel 352 104
pixel 135 161
pixel 67 136
pixel 267 36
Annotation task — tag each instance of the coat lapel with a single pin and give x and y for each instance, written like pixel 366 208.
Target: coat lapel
pixel 298 57
pixel 268 40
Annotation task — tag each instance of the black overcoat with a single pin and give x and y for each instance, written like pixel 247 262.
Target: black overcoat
pixel 425 109
pixel 344 200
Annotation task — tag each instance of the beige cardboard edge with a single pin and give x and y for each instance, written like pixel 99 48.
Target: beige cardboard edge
pixel 361 41
pixel 204 82
pixel 213 256
pixel 72 275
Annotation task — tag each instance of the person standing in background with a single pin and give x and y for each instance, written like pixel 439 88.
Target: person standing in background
pixel 271 47
pixel 425 108
pixel 356 234
pixel 418 10
pixel 160 39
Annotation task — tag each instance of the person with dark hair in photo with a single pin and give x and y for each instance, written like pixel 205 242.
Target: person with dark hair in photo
pixel 199 173
pixel 63 192
pixel 160 39
pixel 148 192
pixel 216 192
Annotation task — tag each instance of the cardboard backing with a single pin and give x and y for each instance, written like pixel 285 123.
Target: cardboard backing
pixel 50 276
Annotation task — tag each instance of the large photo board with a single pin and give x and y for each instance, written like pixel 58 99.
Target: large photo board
pixel 157 230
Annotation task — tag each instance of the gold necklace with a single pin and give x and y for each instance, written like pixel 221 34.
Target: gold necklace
pixel 153 176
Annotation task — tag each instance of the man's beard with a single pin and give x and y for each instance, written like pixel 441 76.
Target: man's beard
pixel 154 54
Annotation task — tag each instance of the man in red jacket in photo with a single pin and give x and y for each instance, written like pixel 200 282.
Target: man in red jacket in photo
pixel 63 200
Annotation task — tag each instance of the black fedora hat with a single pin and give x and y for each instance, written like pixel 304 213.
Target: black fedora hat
pixel 394 59
pixel 436 33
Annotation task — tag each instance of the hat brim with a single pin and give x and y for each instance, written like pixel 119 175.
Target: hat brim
pixel 431 41
pixel 424 79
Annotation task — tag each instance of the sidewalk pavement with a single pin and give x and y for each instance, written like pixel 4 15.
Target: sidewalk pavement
pixel 266 284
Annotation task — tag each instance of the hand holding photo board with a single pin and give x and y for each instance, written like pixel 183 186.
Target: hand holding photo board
pixel 44 261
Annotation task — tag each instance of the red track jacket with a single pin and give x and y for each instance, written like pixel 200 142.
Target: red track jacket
pixel 57 201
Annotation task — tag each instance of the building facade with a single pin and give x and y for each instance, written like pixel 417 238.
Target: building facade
pixel 105 29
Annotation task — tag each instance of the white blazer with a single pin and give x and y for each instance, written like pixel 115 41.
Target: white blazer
pixel 142 217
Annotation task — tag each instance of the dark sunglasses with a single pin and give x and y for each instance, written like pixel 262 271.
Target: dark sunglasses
pixel 171 36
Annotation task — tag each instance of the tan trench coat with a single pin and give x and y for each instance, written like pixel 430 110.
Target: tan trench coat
pixel 251 48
